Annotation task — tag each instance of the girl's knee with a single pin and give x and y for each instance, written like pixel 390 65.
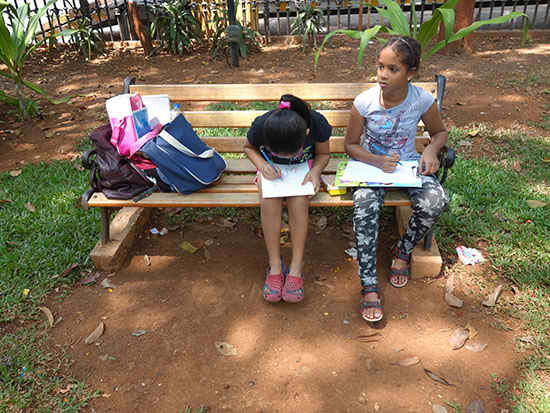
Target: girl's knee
pixel 365 199
pixel 433 202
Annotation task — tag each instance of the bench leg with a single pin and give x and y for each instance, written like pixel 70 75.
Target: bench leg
pixel 428 240
pixel 105 224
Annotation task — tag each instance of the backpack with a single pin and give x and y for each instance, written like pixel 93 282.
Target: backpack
pixel 111 173
pixel 184 161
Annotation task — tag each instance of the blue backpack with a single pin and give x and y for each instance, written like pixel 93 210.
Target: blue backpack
pixel 183 161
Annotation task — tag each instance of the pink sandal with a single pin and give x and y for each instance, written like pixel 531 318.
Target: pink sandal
pixel 273 286
pixel 293 291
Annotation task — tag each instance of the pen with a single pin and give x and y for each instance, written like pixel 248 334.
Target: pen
pixel 268 160
pixel 383 152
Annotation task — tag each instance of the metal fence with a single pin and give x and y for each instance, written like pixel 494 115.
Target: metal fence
pixel 269 17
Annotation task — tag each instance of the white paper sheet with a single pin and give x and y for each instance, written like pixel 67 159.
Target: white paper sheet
pixel 404 175
pixel 158 109
pixel 290 183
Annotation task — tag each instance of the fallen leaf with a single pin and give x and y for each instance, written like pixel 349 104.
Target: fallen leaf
pixel 187 246
pixel 106 283
pixel 476 347
pixel 5 201
pixel 226 349
pixel 517 167
pixel 322 284
pixel 436 377
pixel 322 222
pixel 49 315
pixel 67 389
pixel 16 172
pixel 535 204
pixel 458 338
pixel 106 357
pixel 208 242
pixel 437 408
pixel 147 259
pixel 207 255
pixel 68 270
pixel 138 333
pixel 453 301
pixel 476 406
pixel 368 338
pixel 473 132
pixel 492 299
pixel 95 334
pixel 409 361
pixel 30 207
pixel 225 222
pixel 89 280
pixel 472 332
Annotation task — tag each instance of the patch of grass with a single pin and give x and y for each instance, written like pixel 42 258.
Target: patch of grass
pixel 489 203
pixel 32 379
pixel 37 246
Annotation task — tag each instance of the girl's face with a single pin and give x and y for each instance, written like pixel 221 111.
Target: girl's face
pixel 391 74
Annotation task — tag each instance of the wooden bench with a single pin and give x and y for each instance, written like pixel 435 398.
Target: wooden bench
pixel 237 188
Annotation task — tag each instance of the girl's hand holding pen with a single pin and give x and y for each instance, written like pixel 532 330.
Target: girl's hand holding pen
pixel 270 172
pixel 390 162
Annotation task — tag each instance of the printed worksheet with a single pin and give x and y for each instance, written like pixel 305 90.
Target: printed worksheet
pixel 403 176
pixel 290 182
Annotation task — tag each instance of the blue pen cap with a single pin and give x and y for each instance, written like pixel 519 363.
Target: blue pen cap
pixel 176 105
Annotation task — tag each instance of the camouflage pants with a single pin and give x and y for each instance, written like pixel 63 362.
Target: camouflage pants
pixel 428 203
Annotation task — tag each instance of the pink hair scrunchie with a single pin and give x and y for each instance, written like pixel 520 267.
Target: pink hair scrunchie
pixel 284 105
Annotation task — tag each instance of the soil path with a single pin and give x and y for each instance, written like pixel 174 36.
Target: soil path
pixel 289 358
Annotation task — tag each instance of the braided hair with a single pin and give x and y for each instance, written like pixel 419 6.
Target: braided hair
pixel 408 50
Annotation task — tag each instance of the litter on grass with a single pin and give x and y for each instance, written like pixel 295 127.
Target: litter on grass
pixel 155 231
pixel 469 256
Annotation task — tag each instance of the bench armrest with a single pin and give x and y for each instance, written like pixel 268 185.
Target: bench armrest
pixel 446 161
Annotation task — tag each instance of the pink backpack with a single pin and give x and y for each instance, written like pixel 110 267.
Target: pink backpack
pixel 130 124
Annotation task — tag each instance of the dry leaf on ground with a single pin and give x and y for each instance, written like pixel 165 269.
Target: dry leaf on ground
pixel 517 166
pixel 453 301
pixel 409 361
pixel 476 406
pixel 458 338
pixel 492 299
pixel 476 347
pixel 95 334
pixel 147 259
pixel 437 378
pixel 322 222
pixel 535 204
pixel 30 207
pixel 89 280
pixel 106 283
pixel 225 222
pixel 68 270
pixel 49 315
pixel 5 201
pixel 437 408
pixel 471 331
pixel 15 172
pixel 187 246
pixel 138 333
pixel 226 349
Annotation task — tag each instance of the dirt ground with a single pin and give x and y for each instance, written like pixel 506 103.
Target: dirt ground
pixel 316 356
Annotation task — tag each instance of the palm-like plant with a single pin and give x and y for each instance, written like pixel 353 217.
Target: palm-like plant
pixel 17 43
pixel 399 26
pixel 177 28
pixel 309 22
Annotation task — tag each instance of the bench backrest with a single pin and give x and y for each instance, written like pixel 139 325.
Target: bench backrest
pixel 192 96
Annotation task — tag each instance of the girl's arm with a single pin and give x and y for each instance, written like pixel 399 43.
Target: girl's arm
pixel 322 156
pixel 352 145
pixel 429 162
pixel 260 162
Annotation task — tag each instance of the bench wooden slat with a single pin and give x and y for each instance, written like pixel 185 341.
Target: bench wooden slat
pixel 235 144
pixel 208 200
pixel 244 118
pixel 261 91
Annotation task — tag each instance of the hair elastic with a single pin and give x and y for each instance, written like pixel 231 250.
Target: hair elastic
pixel 284 105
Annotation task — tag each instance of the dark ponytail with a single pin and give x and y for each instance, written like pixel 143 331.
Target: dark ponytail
pixel 285 129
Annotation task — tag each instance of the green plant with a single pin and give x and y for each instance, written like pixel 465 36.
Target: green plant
pixel 87 38
pixel 248 39
pixel 16 45
pixel 309 22
pixel 425 34
pixel 178 30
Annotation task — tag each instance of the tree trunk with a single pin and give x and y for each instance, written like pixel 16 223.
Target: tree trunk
pixel 464 16
pixel 139 27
